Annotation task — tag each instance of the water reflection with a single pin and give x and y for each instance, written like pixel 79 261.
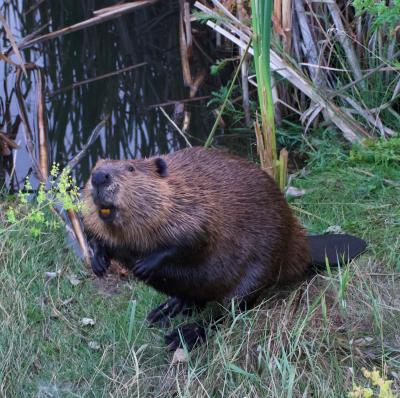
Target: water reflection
pixel 135 128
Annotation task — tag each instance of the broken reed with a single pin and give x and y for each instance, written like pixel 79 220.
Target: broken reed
pixel 265 133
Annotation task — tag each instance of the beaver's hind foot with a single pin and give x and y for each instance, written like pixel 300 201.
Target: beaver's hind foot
pixel 191 335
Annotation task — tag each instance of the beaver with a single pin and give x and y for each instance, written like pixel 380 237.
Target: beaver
pixel 200 225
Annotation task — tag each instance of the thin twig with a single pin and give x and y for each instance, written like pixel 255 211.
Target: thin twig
pixel 176 126
pixel 175 102
pixel 94 79
pixel 92 138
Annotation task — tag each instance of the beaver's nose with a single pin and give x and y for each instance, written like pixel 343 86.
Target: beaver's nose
pixel 100 178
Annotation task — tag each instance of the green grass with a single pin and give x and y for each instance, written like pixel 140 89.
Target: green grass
pixel 311 340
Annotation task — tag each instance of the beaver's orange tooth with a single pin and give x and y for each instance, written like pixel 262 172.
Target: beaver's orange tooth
pixel 105 212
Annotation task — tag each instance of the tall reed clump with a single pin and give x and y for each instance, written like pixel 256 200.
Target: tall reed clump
pixel 266 133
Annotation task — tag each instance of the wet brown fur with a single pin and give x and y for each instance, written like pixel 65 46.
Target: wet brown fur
pixel 237 233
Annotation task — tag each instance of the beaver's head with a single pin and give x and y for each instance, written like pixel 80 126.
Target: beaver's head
pixel 124 198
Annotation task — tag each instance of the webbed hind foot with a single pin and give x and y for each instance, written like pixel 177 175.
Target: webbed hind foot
pixel 191 335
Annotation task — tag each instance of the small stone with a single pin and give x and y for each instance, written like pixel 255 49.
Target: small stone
pixel 88 322
pixel 94 345
pixel 294 192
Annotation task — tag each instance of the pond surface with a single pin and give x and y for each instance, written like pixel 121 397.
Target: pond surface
pixel 136 125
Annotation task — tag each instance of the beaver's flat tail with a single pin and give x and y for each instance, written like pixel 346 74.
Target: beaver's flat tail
pixel 336 249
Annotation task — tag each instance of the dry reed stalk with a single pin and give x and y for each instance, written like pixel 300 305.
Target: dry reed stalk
pixel 188 28
pixel 287 24
pixel 283 168
pixel 79 234
pixel 13 42
pixel 42 136
pixel 187 76
pixel 30 36
pixel 277 13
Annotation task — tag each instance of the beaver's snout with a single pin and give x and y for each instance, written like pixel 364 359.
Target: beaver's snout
pixel 103 193
pixel 100 178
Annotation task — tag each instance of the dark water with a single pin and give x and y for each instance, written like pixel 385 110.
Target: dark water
pixel 136 128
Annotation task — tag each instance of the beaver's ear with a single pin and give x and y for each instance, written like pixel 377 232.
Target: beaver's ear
pixel 161 167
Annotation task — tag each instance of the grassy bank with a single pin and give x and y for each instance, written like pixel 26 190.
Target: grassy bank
pixel 312 340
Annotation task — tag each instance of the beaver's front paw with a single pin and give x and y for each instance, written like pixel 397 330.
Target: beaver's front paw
pixel 144 267
pixel 100 264
pixel 100 261
pixel 161 315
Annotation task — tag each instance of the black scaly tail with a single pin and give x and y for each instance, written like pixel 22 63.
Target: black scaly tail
pixel 336 249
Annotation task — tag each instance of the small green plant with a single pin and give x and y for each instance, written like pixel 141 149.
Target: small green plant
pixel 220 65
pixel 384 13
pixel 377 386
pixel 378 152
pixel 32 209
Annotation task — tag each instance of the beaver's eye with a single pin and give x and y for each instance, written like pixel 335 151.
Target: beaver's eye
pixel 131 168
